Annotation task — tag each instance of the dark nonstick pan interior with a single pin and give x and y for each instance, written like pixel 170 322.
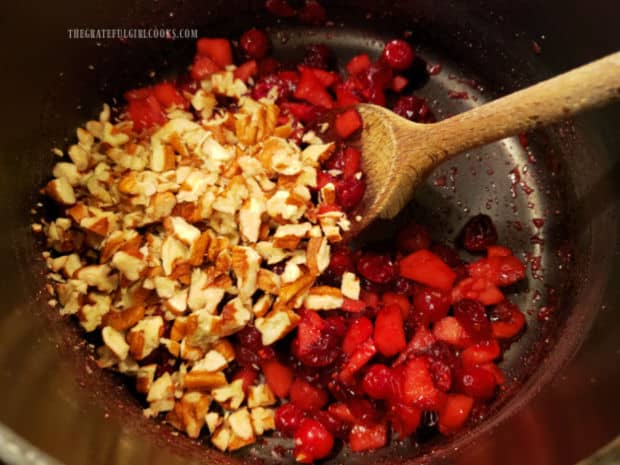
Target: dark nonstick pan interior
pixel 53 394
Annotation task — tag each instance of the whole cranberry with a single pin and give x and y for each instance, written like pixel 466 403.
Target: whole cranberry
pixel 476 382
pixel 341 261
pixel 255 43
pixel 413 108
pixel 349 192
pixel 398 54
pixel 312 13
pixel 478 233
pixel 376 268
pixel 413 237
pixel 312 441
pixel 318 56
pixel 288 418
pixel 472 315
pixel 430 304
pixel 377 381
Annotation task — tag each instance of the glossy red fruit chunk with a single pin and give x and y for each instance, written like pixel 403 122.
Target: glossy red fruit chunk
pixel 138 94
pixel 318 56
pixel 496 371
pixel 353 306
pixel 479 289
pixel 248 376
pixel 219 50
pixel 348 123
pixel 278 377
pixel 312 441
pixel 255 43
pixel 478 233
pixel 420 343
pixel 413 108
pixel 476 382
pixel 203 67
pixel 377 268
pixel 246 70
pixel 498 251
pixel 450 331
pixel 145 113
pixel 358 64
pixel 398 54
pixel 359 357
pixel 288 418
pixel 501 271
pixel 341 411
pixel 389 333
pixel 427 268
pixel 481 353
pixel 399 83
pixel 333 424
pixel 326 78
pixel 392 298
pixel 405 419
pixel 316 343
pixel 350 192
pixel 312 90
pixel 413 237
pixel 352 162
pixel 341 261
pixel 306 396
pixel 168 95
pixel 454 413
pixel 472 316
pixel 371 299
pixel 507 320
pixel 345 97
pixel 280 8
pixel 358 332
pixel 368 437
pixel 377 381
pixel 430 305
pixel 312 13
pixel 304 113
pixel 416 385
pixel 449 256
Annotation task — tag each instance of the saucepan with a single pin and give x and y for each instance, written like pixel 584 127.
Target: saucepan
pixel 555 198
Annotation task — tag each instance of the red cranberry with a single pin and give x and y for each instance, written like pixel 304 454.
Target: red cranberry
pixel 312 441
pixel 306 396
pixel 478 234
pixel 471 314
pixel 336 161
pixel 376 268
pixel 445 353
pixel 317 344
pixel 286 87
pixel 363 410
pixel 377 381
pixel 335 426
pixel 405 286
pixel 476 382
pixel 279 8
pixel 312 13
pixel 250 338
pixel 341 261
pixel 398 54
pixel 349 192
pixel 255 43
pixel 318 56
pixel 442 375
pixel 430 304
pixel 414 109
pixel 288 418
pixel 413 237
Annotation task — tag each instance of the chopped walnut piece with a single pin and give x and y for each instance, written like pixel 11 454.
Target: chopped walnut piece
pixel 276 325
pixel 189 413
pixel 160 395
pixel 115 341
pixel 230 395
pixel 350 286
pixel 260 396
pixel 144 337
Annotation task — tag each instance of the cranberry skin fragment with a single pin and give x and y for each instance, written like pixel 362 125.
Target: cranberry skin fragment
pixel 377 381
pixel 472 315
pixel 478 233
pixel 398 54
pixel 379 269
pixel 288 418
pixel 430 304
pixel 255 43
pixel 312 441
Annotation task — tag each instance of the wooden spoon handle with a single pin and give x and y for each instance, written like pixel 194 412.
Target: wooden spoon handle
pixel 585 87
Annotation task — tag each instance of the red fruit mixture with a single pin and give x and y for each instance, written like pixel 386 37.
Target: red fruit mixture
pixel 421 341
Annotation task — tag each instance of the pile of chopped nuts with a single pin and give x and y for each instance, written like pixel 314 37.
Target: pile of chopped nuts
pixel 168 242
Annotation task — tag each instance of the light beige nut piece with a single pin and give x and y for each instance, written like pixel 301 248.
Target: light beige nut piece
pixel 268 281
pixel 350 286
pixel 235 316
pixel 231 394
pixel 324 298
pixel 204 380
pixel 172 251
pixel 262 305
pixel 165 287
pixel 220 438
pixel 67 171
pixel 213 420
pixel 129 265
pixel 79 156
pixel 288 236
pixel 61 191
pixel 281 205
pixel 98 276
pixel 241 424
pixel 224 347
pixel 145 377
pixel 122 320
pixel 177 304
pixel 276 325
pixel 160 396
pixel 327 194
pixel 316 153
pixel 263 419
pixel 291 272
pixel 318 255
pixel 245 265
pixel 203 295
pixel 173 347
pixel 260 396
pixel 182 230
pixel 112 136
pixel 91 314
pixel 203 329
pixel 161 205
pixel 211 362
pixel 115 341
pixel 250 218
pixel 271 253
pixel 143 338
pixel 188 414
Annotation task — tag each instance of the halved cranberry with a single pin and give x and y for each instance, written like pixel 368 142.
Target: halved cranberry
pixel 288 418
pixel 350 192
pixel 471 314
pixel 476 382
pixel 318 56
pixel 478 233
pixel 379 269
pixel 414 109
pixel 413 237
pixel 306 396
pixel 312 441
pixel 506 320
pixel 398 54
pixel 430 304
pixel 377 381
pixel 255 43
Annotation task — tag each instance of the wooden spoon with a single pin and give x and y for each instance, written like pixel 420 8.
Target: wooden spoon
pixel 398 154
